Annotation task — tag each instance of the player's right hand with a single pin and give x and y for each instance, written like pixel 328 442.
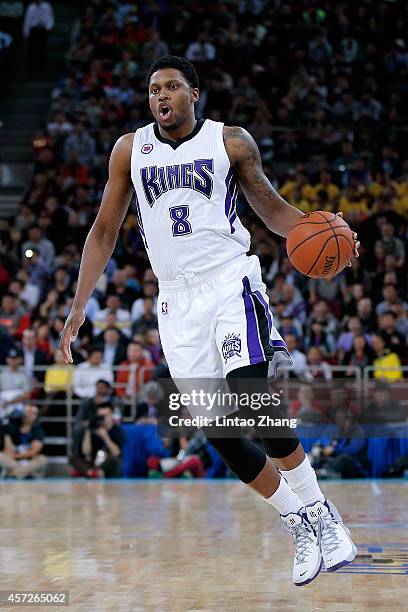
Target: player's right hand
pixel 70 332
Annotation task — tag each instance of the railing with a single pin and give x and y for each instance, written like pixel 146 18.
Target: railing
pixel 356 381
pixel 70 402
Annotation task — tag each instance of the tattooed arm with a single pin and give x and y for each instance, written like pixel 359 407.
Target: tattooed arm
pixel 243 153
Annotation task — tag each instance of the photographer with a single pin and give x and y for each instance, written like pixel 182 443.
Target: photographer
pixel 23 443
pixel 101 447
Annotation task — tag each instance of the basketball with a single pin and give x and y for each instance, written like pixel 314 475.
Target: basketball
pixel 320 245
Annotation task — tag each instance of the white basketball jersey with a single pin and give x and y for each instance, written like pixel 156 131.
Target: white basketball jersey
pixel 186 201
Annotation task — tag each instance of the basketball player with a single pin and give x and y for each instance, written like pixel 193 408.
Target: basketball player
pixel 214 317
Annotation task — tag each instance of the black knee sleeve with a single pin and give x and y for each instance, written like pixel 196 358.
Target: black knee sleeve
pixel 253 379
pixel 280 447
pixel 242 456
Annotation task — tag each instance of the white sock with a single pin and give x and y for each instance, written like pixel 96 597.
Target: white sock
pixel 284 499
pixel 302 479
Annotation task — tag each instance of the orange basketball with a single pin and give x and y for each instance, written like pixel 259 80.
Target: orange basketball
pixel 320 245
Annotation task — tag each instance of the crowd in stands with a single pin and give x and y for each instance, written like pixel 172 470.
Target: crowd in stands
pixel 321 87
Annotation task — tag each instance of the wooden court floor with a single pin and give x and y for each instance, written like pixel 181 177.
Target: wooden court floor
pixel 193 545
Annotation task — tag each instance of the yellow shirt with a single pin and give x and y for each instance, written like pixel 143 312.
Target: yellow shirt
pixel 354 211
pixel 288 189
pixel 332 190
pixel 304 205
pixel 390 360
pixel 58 378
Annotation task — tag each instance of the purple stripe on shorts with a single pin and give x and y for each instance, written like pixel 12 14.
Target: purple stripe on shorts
pixel 281 343
pixel 255 349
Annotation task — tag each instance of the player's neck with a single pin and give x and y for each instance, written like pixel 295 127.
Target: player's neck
pixel 181 131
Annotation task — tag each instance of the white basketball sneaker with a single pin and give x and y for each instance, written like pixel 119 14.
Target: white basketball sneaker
pixel 308 558
pixel 332 535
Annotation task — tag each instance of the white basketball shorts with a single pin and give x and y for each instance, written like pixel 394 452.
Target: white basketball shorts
pixel 218 321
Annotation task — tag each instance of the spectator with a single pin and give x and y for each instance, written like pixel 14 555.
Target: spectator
pixel 23 443
pixel 394 341
pixel 148 321
pixel 346 339
pixel 329 289
pixel 154 48
pixel 298 358
pixel 38 21
pixel 29 293
pixel 366 315
pixel 105 394
pixel 101 449
pixel 360 356
pixel 391 299
pixel 44 246
pixel 15 385
pixel 295 304
pixel 147 409
pixel 320 338
pixel 122 286
pixel 306 408
pixel 387 365
pixel 382 408
pixel 32 356
pixel 288 326
pixel 321 314
pixel 343 449
pixel 82 144
pixel 89 372
pixel 38 272
pixel 153 345
pixel 392 245
pixel 11 314
pixel 121 316
pixel 201 50
pixel 58 377
pixel 317 367
pixel 113 347
pixel 134 371
pixel 149 290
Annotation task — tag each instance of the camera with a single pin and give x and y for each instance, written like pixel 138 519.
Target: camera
pixel 96 422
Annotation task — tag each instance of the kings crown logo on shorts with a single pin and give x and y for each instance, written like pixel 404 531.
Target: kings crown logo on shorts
pixel 231 346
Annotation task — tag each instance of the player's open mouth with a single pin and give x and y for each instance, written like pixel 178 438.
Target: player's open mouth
pixel 165 112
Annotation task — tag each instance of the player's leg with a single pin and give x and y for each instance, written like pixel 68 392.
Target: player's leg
pixel 307 559
pixel 287 453
pixel 250 463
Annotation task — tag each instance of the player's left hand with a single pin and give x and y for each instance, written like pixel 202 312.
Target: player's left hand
pixel 356 241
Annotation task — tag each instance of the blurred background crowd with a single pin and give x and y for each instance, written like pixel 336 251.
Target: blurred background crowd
pixel 322 87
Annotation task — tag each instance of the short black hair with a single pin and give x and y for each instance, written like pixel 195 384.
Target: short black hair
pixel 103 406
pixel 178 63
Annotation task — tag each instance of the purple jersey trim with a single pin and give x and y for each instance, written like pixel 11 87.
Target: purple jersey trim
pixel 140 222
pixel 231 198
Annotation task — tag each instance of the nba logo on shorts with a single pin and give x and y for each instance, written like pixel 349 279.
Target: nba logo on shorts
pixel 164 308
pixel 147 148
pixel 231 346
